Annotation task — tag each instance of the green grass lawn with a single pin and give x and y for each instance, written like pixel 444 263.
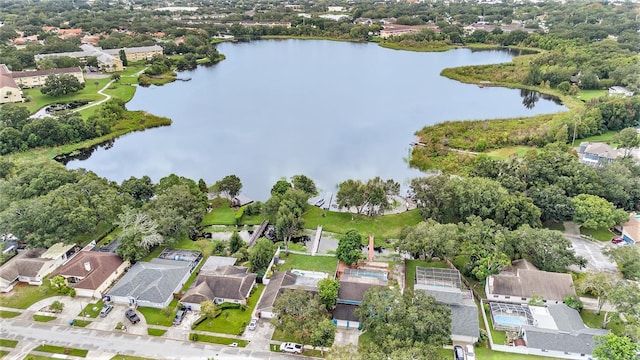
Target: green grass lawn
pixel 606 137
pixel 155 316
pixel 506 152
pixel 184 243
pixel 89 93
pixel 587 95
pixel 93 310
pixel 599 234
pixel 62 350
pixel 38 357
pixel 3 353
pixel 410 270
pixel 156 332
pixel 8 343
pixel 81 323
pixel 43 318
pixel 595 321
pixel 326 264
pixel 383 227
pixel 24 295
pixel 233 321
pixel 121 91
pixel 219 340
pixel 8 314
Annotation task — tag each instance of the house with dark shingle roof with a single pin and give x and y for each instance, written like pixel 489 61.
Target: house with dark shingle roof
pixel 518 284
pixel 445 286
pixel 566 336
pixel 151 284
pixel 90 273
pixel 354 283
pixel 224 284
pixel 279 282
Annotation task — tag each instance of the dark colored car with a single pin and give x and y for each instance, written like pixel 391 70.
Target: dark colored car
pixel 617 240
pixel 458 353
pixel 132 316
pixel 179 316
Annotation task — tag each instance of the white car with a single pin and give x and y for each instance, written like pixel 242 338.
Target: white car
pixel 253 324
pixel 291 348
pixel 471 353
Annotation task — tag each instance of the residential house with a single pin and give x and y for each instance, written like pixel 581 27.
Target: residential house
pixel 10 92
pixel 597 154
pixel 228 283
pixel 559 332
pixel 154 283
pixel 354 283
pixel 279 283
pixel 631 229
pixel 620 91
pixel 445 285
pixel 90 273
pixel 33 265
pixel 34 78
pixel 522 281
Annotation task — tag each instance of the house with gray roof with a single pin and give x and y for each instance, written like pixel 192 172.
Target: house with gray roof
pixel 565 336
pixel 519 285
pixel 279 283
pixel 445 285
pixel 597 154
pixel 151 284
pixel 354 283
pixel 224 284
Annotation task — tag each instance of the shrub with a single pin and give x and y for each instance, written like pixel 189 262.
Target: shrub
pixel 240 214
pixel 193 337
pixel 574 302
pixel 199 321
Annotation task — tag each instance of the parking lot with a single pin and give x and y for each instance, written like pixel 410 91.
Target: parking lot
pixel 592 251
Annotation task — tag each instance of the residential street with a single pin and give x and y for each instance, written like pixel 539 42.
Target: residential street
pixel 105 344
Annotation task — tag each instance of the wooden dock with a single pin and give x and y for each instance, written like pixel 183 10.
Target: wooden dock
pixel 256 234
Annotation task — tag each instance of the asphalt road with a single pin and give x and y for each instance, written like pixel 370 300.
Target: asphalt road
pixel 31 334
pixel 592 251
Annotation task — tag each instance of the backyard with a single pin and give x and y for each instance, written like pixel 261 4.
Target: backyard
pixel 223 214
pixel 410 270
pixel 326 264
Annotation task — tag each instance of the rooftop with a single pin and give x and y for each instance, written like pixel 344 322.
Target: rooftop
pixel 57 250
pixel 526 283
pixel 152 281
pixel 92 267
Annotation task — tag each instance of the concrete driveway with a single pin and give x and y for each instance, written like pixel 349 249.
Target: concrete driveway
pixel 592 251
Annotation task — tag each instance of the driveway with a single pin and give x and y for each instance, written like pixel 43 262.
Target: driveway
pixel 592 251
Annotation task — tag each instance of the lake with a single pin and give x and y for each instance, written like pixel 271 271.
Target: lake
pixel 329 110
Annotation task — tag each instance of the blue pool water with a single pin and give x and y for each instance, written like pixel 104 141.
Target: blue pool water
pixel 507 320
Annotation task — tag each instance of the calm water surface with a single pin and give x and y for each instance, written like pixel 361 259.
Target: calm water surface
pixel 330 110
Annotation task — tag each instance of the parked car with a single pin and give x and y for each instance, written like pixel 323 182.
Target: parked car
pixel 617 240
pixel 291 348
pixel 179 316
pixel 253 324
pixel 471 352
pixel 132 316
pixel 458 353
pixel 106 309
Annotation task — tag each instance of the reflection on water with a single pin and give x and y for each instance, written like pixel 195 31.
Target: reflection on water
pixel 530 98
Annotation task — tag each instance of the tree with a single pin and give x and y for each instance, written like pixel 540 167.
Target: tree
pixel 235 242
pixel 594 212
pixel 614 347
pixel 178 208
pixel 299 313
pixel 372 195
pixel 553 203
pixel 63 84
pixel 328 292
pixel 515 210
pixel 599 284
pixel 141 189
pixel 261 254
pixel 288 223
pixel 280 187
pixel 123 57
pixel 404 320
pixel 323 334
pixel 548 250
pixel 305 184
pixel 628 139
pixel 628 260
pixel 209 309
pixel 202 185
pixel 229 186
pixel 349 247
pixel 428 239
pixel 139 234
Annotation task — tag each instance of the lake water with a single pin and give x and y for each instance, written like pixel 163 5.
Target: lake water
pixel 329 110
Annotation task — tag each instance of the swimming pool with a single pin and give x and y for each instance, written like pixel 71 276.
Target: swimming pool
pixel 509 320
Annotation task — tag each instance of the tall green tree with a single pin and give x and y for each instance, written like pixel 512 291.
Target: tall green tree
pixel 58 85
pixel 614 347
pixel 599 284
pixel 349 247
pixel 138 236
pixel 323 334
pixel 300 313
pixel 428 239
pixel 261 254
pixel 594 212
pixel 548 250
pixel 628 139
pixel 305 184
pixel 229 186
pixel 328 292
pixel 235 242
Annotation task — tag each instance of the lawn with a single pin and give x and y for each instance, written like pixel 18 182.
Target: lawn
pixel 121 91
pixel 382 227
pixel 184 243
pixel 81 323
pixel 223 214
pixel 38 357
pixel 218 339
pixel 89 93
pixel 410 270
pixel 156 332
pixel 595 321
pixel 3 353
pixel 8 343
pixel 93 310
pixel 602 234
pixel 587 95
pixel 326 264
pixel 62 350
pixel 43 318
pixel 24 295
pixel 606 137
pixel 506 152
pixel 233 321
pixel 155 316
pixel 8 314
